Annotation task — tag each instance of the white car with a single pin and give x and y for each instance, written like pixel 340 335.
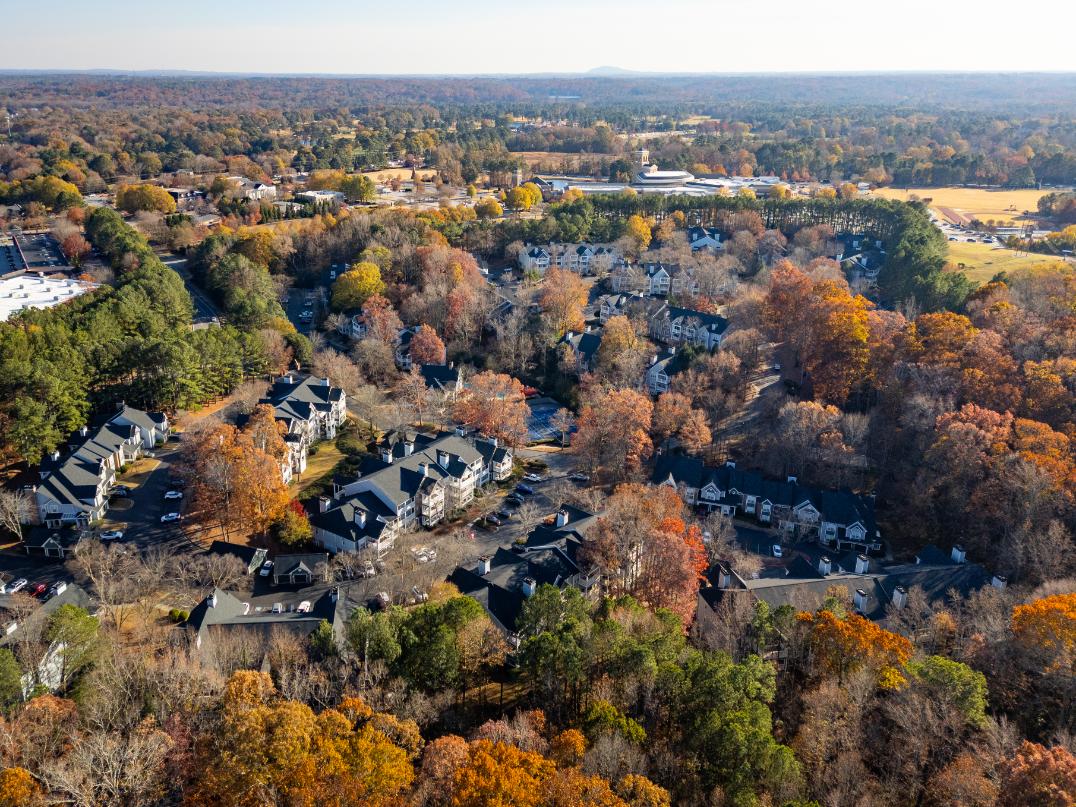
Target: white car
pixel 111 535
pixel 531 478
pixel 778 552
pixel 267 569
pixel 174 494
pixel 18 585
pixel 168 518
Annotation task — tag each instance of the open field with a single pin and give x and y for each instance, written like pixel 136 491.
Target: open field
pixel 1003 206
pixel 558 158
pixel 982 261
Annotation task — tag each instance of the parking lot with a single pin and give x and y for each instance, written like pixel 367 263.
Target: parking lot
pixel 539 422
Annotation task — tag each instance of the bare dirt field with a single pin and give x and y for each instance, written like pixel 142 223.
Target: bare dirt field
pixel 960 205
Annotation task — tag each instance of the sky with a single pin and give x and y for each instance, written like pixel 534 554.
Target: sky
pixel 506 36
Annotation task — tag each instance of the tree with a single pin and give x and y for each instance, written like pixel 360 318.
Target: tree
pixel 1048 626
pixel 294 528
pixel 955 683
pixel 75 248
pixel 355 286
pixel 613 433
pixel 498 773
pixel 496 405
pixel 382 322
pixel 10 680
pixel 427 347
pixel 1038 777
pixel 562 298
pixel 18 788
pixel 77 632
pixel 488 208
pixel 637 229
pixel 15 509
pixel 842 645
pixel 133 198
pixel 563 422
pixel 358 188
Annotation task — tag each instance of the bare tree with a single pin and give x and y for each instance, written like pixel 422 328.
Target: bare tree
pixel 116 574
pixel 15 510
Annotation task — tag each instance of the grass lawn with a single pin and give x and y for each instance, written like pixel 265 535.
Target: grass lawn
pixel 319 466
pixel 982 261
pixel 386 174
pixel 1001 205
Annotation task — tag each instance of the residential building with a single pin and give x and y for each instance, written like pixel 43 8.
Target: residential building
pixel 629 304
pixel 876 590
pixel 51 668
pixel 708 238
pixel 838 519
pixel 675 326
pixel 414 481
pixel 311 409
pixel 226 614
pixel 250 189
pixel 583 259
pixel 75 482
pixel 659 373
pixel 655 280
pixel 298 570
pixel 445 378
pixel 403 347
pixel 502 582
pixel 584 348
pixel 330 197
pixel 49 542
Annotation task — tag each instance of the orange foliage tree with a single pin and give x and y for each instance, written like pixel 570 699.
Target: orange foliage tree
pixel 496 405
pixel 841 646
pixel 1048 625
pixel 563 296
pixel 613 431
pixel 427 347
pixel 1039 777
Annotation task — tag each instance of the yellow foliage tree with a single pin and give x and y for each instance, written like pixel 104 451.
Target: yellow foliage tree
pixel 356 285
pixel 18 788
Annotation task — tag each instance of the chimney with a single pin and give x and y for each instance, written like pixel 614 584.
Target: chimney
pixel 212 601
pixel 323 503
pixel 730 464
pixel 360 517
pixel 335 594
pixel 529 585
pixel 999 581
pixel 460 431
pixel 424 468
pixel 409 448
pixel 859 600
pixel 862 564
pixel 55 456
pixel 452 365
pixel 825 566
pixel 792 480
pixel 959 555
pixel 291 378
pixel 325 382
pixel 84 430
pixel 724 577
pixel 484 564
pixel 442 458
pixel 900 597
pixel 386 455
pixel 562 518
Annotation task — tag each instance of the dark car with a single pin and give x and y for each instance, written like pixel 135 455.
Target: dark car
pixel 526 490
pixel 513 498
pixel 121 491
pixel 504 514
pixel 493 521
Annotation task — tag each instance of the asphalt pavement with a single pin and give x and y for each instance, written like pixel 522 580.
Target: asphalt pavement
pixel 205 312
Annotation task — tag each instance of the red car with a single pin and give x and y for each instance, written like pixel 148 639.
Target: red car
pixel 37 589
pixel 531 392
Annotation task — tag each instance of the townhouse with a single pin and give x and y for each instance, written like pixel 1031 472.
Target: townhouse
pixel 659 373
pixel 877 590
pixel 311 409
pixel 414 481
pixel 583 259
pixel 583 347
pixel 655 280
pixel 75 482
pixel 703 238
pixel 250 189
pixel 443 378
pixel 838 519
pixel 675 326
pixel 551 555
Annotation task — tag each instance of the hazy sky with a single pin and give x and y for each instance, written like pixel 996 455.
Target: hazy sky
pixel 503 36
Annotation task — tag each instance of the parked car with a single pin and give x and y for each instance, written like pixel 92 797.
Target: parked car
pixel 368 570
pixel 168 518
pixel 55 590
pixel 531 478
pixel 121 491
pixel 174 494
pixel 18 585
pixel 514 498
pixel 266 569
pixel 419 594
pixel 778 552
pixel 278 607
pixel 504 514
pixel 577 476
pixel 111 535
pixel 526 490
pixel 37 589
pixel 493 521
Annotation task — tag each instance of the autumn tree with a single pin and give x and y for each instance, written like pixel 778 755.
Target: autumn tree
pixel 495 404
pixel 843 645
pixel 18 788
pixel 427 347
pixel 614 432
pixel 1039 777
pixel 75 248
pixel 498 773
pixel 638 230
pixel 1048 626
pixel 355 286
pixel 562 299
pixel 134 198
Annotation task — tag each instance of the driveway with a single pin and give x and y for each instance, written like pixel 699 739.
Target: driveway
pixel 141 521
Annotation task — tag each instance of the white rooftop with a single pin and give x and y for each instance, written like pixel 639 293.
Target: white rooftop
pixel 34 291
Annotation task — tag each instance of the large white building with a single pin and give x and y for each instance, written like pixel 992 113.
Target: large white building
pixel 36 291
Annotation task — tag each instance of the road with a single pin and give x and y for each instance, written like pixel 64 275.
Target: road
pixel 205 312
